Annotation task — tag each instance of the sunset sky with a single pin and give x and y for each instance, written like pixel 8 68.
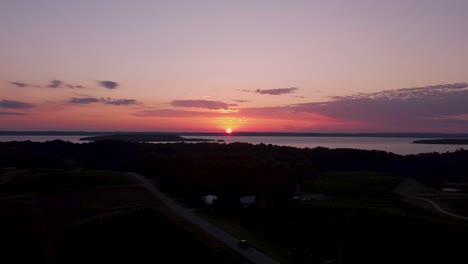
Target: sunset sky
pixel 298 66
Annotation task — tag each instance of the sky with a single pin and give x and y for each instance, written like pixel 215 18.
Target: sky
pixel 278 66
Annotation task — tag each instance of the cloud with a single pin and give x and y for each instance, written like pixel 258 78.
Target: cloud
pixel 60 84
pixel 240 101
pixel 120 101
pixel 400 109
pixel 408 93
pixel 108 84
pixel 203 104
pixel 52 84
pixel 463 117
pixel 20 84
pixel 108 100
pixel 275 91
pixel 177 113
pixel 436 108
pixel 86 100
pixel 12 113
pixel 55 84
pixel 74 86
pixel 15 104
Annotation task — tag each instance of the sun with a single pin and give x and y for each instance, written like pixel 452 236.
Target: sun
pixel 229 131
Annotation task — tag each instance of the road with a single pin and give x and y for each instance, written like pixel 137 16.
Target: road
pixel 438 208
pixel 250 254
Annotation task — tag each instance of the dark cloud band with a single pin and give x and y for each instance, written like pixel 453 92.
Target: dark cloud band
pixel 20 84
pixel 88 100
pixel 15 104
pixel 12 113
pixel 55 84
pixel 277 91
pixel 110 101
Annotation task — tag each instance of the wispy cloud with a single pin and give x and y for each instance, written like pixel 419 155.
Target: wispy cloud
pixel 55 84
pixel 176 113
pixel 52 84
pixel 15 104
pixel 404 108
pixel 20 84
pixel 120 101
pixel 241 101
pixel 12 113
pixel 86 100
pixel 463 117
pixel 108 84
pixel 408 93
pixel 74 86
pixel 430 108
pixel 61 84
pixel 275 91
pixel 108 100
pixel 202 104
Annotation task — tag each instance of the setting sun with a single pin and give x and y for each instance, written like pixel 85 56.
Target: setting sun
pixel 229 131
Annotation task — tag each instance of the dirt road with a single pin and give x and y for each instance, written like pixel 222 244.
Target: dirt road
pixel 438 208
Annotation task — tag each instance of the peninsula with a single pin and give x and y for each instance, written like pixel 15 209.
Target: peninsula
pixel 144 138
pixel 444 141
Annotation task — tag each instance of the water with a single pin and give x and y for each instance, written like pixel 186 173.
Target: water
pixel 396 145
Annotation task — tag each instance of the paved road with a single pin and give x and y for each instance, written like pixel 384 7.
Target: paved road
pixel 438 208
pixel 251 254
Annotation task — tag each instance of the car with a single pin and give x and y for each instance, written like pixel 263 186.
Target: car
pixel 243 244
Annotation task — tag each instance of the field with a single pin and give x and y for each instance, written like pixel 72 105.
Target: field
pixel 361 217
pixel 137 236
pixel 360 183
pixel 366 230
pixel 46 180
pixel 235 227
pixel 458 205
pixel 53 216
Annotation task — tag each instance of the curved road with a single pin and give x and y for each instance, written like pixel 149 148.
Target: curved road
pixel 251 254
pixel 440 209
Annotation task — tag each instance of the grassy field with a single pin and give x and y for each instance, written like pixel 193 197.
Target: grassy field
pixel 139 236
pixel 412 187
pixel 363 183
pixel 44 180
pixel 51 216
pixel 368 230
pixel 363 217
pixel 235 227
pixel 131 236
pixel 458 205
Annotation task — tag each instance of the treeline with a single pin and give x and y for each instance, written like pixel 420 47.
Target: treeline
pixel 189 169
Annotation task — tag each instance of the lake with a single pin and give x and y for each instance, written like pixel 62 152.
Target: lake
pixel 396 145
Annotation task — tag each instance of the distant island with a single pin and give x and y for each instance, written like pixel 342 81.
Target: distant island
pixel 444 141
pixel 144 138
